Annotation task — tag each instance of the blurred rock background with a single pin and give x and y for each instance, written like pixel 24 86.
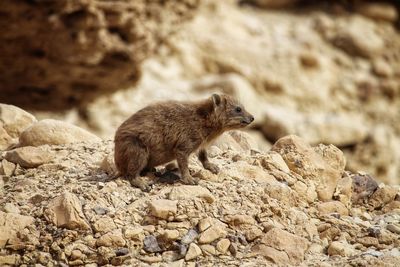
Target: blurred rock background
pixel 328 71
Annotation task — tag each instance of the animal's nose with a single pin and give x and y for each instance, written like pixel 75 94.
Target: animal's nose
pixel 251 118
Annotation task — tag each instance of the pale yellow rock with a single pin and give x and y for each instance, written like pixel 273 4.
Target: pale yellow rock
pixel 66 211
pixel 54 132
pixel 208 249
pixel 163 208
pixel 191 192
pixel 332 207
pixel 14 120
pixel 205 223
pixel 10 224
pixel 238 219
pixel 6 140
pixel 223 245
pixel 212 233
pixel 111 239
pixel 324 164
pixel 193 252
pixel 271 254
pixel 340 248
pixel 293 245
pixel 29 156
pixel 104 225
pixel 7 168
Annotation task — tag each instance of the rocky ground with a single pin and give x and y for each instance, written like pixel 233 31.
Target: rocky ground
pixel 291 204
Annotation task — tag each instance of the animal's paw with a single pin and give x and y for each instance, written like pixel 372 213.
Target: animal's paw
pixel 190 180
pixel 211 167
pixel 142 183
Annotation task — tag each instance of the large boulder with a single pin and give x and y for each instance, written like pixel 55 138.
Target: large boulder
pixel 54 132
pixel 56 54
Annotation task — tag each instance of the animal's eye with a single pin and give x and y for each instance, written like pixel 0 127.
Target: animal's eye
pixel 238 109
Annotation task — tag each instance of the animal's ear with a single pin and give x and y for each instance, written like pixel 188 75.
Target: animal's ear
pixel 216 100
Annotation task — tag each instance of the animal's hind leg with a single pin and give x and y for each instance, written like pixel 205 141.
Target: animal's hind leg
pixel 137 159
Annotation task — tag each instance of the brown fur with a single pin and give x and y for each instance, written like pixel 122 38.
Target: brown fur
pixel 162 132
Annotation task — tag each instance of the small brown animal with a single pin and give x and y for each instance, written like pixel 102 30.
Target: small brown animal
pixel 162 132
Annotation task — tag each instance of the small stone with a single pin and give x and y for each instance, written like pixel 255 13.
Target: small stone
pixel 193 252
pixel 122 252
pixel 189 237
pixel 111 239
pixel 170 235
pixel 333 207
pixel 76 254
pixel 253 233
pixel 205 224
pixel 363 187
pixel 272 254
pixel 163 208
pixel 191 192
pixel 393 228
pixel 208 249
pixel 104 225
pixel 382 68
pixel 340 248
pixel 368 241
pixel 100 210
pixel 28 157
pixel 12 260
pixel 223 245
pixel 170 256
pixel 7 168
pixel 292 245
pixel 11 208
pixel 214 232
pixel 11 224
pixel 239 219
pixel 134 233
pixel 151 259
pixel 54 132
pixel 382 196
pixel 66 211
pixel 150 244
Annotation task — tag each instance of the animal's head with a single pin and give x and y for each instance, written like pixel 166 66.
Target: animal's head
pixel 229 113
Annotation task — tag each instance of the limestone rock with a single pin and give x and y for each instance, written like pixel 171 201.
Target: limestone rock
pixel 66 211
pixel 212 233
pixel 7 168
pixel 324 168
pixel 291 244
pixel 104 225
pixel 223 245
pixel 11 224
pixel 190 192
pixel 14 120
pixel 54 132
pixel 163 208
pixel 363 187
pixel 111 239
pixel 6 140
pixel 340 248
pixel 193 252
pixel 382 196
pixel 150 244
pixel 333 207
pixel 9 260
pixel 11 208
pixel 29 156
pixel 235 220
pixel 276 256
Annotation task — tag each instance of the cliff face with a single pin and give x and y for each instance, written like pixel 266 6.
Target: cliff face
pixel 60 54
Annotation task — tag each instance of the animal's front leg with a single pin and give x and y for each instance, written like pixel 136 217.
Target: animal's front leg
pixel 206 163
pixel 183 164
